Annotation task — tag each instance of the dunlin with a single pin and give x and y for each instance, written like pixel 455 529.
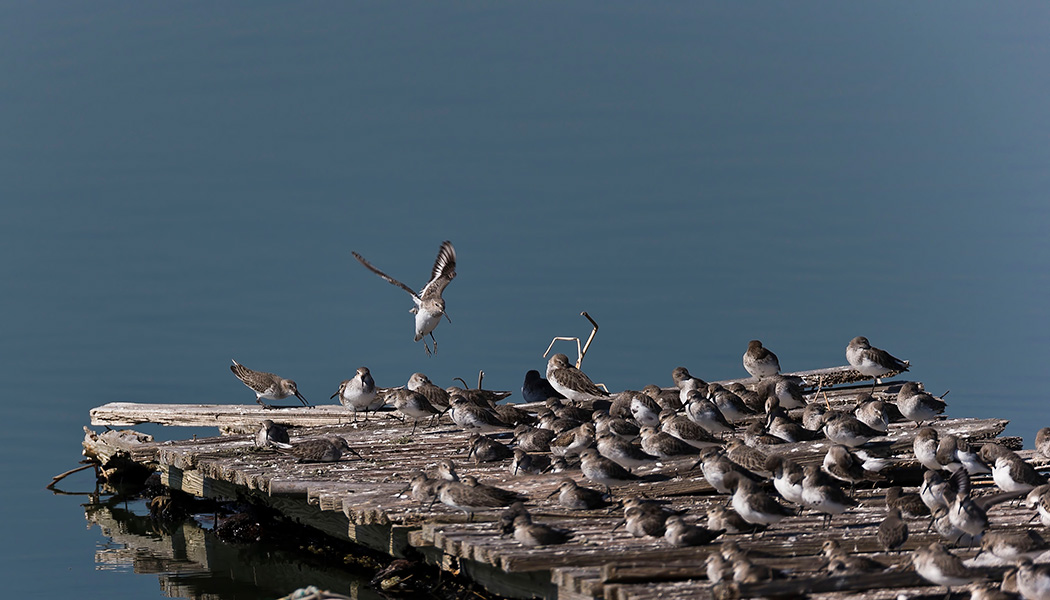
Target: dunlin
pixel 752 459
pixel 872 362
pixel 643 521
pixel 840 463
pixel 787 391
pixel 1013 545
pixel 1033 581
pixel 918 406
pixel 938 566
pixel 936 492
pixel 413 405
pixel 1010 472
pixel 872 413
pixel 571 382
pixel 359 393
pixel 680 375
pixel 813 416
pixel 536 388
pixel 721 517
pixel 270 432
pixel 533 439
pixel 438 397
pixel 750 398
pixel 716 468
pixel 718 569
pixel 1042 442
pixel 910 505
pixel 528 464
pixel 745 571
pixel 925 448
pixel 485 449
pixel 954 453
pixel 568 411
pixel 266 385
pixel 666 399
pixel 446 470
pixel 472 417
pixel 893 531
pixel 326 449
pixel 756 436
pixel 780 425
pixel 681 534
pixel 704 413
pixel 505 520
pixel 847 430
pixel 759 361
pixel 823 495
pixel 512 415
pixel 481 397
pixel 429 305
pixel 752 503
pixel 665 445
pixel 729 403
pixel 574 441
pixel 686 430
pixel 787 478
pixel 576 497
pixel 623 452
pixel 537 534
pixel 842 563
pixel 603 471
pixel 423 489
pixel 603 422
pixel 470 499
pixel 645 410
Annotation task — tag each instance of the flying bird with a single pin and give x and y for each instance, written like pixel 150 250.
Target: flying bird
pixel 430 306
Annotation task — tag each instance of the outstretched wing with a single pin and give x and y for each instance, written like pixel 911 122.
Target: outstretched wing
pixel 443 272
pixel 389 279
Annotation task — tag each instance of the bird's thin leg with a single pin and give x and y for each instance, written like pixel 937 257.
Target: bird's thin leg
pixel 435 342
pixel 426 347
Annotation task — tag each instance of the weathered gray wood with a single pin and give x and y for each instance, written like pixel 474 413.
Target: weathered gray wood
pixel 127 414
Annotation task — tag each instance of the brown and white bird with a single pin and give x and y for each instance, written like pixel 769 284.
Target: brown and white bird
pixel 569 381
pixel 360 393
pixel 760 361
pixel 326 449
pixel 430 306
pixel 266 385
pixel 871 361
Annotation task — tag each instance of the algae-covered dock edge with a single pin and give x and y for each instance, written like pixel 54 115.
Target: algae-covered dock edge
pixel 362 500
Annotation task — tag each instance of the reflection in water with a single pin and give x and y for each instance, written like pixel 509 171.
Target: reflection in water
pixel 192 562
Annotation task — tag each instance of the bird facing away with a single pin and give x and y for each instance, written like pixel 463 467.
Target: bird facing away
pixel 870 361
pixel 359 393
pixel 430 306
pixel 266 385
pixel 759 361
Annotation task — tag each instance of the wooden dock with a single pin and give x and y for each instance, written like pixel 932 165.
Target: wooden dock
pixel 362 500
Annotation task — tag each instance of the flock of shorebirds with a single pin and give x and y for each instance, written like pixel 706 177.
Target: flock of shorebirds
pixel 582 429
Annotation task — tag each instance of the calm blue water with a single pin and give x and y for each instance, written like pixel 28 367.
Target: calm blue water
pixel 183 184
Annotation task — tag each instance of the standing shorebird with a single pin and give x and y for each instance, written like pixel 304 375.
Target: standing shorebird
pixel 359 393
pixel 872 362
pixel 570 381
pixel 759 361
pixel 430 306
pixel 266 385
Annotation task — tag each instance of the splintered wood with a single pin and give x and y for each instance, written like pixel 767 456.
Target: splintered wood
pixel 366 501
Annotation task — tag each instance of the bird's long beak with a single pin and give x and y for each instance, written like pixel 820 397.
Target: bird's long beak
pixel 447 318
pixel 556 490
pixel 301 399
pixel 330 397
pixel 618 523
